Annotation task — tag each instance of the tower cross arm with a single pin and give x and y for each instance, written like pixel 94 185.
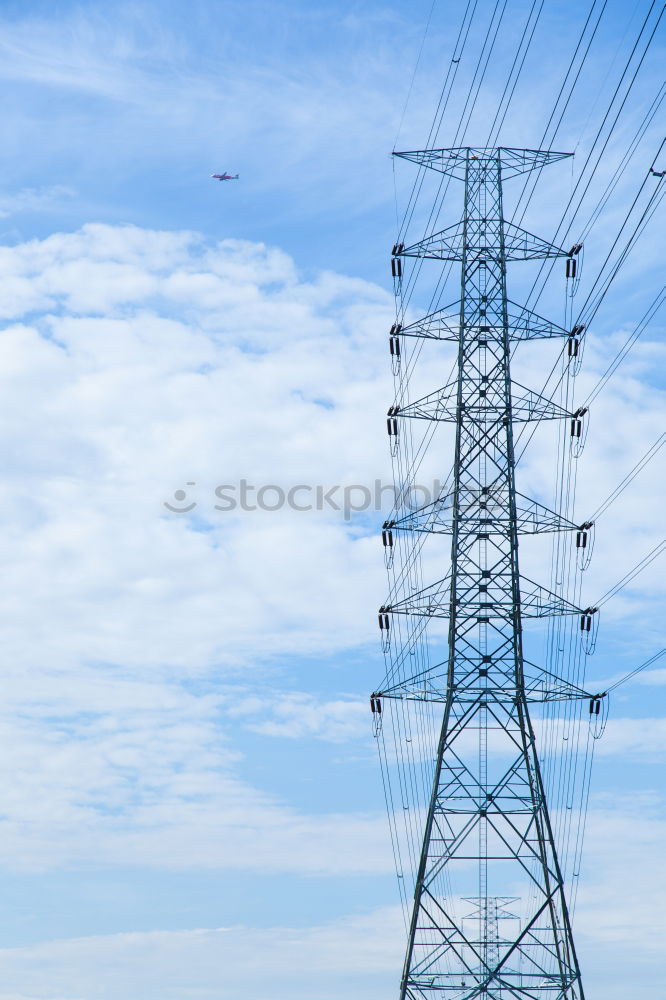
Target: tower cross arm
pixel 453 161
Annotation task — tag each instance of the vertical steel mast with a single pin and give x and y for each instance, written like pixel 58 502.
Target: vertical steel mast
pixel 488 833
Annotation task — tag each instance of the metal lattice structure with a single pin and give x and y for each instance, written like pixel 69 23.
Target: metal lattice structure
pixel 488 837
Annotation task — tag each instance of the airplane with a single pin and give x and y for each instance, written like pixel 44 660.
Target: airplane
pixel 225 177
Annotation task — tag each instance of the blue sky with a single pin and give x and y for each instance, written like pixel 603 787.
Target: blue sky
pixel 192 800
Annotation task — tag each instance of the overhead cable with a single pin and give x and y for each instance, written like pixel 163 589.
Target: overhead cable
pixel 631 475
pixel 633 573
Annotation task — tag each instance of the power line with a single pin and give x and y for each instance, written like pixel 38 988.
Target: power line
pixel 616 93
pixel 633 573
pixel 416 67
pixel 629 478
pixel 647 318
pixel 637 670
pixel 409 650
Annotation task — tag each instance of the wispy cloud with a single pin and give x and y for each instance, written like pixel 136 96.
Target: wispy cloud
pixel 213 963
pixel 34 200
pixel 299 715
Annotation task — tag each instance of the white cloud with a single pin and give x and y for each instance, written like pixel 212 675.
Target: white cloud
pixel 34 199
pixel 128 386
pixel 135 362
pixel 99 770
pixel 167 96
pixel 619 924
pixel 297 715
pixel 620 911
pixel 657 677
pixel 358 956
pixel 121 383
pixel 130 366
pixel 634 738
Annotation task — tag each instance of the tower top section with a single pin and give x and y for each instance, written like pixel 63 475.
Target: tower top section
pixel 454 161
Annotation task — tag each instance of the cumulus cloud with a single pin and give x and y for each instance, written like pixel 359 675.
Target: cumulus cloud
pixel 130 381
pixel 134 365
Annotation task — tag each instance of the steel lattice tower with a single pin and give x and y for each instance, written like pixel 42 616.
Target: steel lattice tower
pixel 487 820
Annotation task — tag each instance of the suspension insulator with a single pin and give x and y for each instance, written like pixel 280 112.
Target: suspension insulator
pixel 387 538
pixel 586 619
pixel 573 347
pixel 375 704
pixel 394 346
pixel 384 623
pixel 392 427
pixel 577 423
pixel 581 539
pixel 595 706
pixel 396 267
pixel 571 267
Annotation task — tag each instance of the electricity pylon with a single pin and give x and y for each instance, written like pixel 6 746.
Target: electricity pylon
pixel 489 911
pixel 488 822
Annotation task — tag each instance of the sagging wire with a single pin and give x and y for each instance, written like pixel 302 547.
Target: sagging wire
pixel 631 475
pixel 633 673
pixel 641 565
pixel 647 318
